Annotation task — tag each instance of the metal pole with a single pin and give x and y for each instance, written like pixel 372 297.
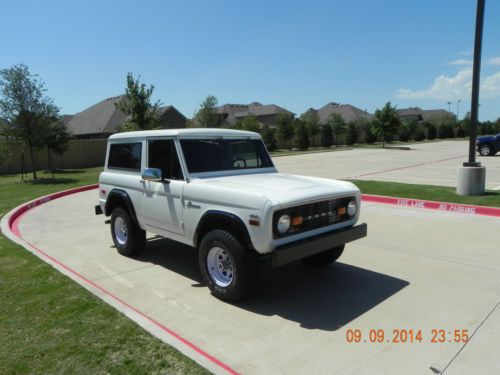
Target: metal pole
pixel 475 83
pixel 458 107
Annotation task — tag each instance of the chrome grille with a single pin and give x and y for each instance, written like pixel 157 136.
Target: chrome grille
pixel 314 215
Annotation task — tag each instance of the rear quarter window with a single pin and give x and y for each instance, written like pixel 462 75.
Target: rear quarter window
pixel 125 156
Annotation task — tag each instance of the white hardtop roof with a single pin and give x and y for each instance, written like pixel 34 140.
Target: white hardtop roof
pixel 194 132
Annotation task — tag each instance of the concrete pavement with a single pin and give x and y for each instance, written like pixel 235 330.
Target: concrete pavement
pixel 426 163
pixel 417 269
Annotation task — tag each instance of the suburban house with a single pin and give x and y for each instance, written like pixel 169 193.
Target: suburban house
pixel 104 118
pixel 416 114
pixel 348 112
pixel 266 114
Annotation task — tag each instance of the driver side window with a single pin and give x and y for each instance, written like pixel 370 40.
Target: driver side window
pixel 163 155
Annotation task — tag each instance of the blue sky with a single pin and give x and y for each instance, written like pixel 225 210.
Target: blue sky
pixel 297 54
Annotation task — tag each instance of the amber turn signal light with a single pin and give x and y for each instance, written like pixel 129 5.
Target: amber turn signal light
pixel 297 220
pixel 341 210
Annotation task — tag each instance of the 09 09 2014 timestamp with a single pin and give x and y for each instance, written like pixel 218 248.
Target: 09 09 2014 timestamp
pixel 407 336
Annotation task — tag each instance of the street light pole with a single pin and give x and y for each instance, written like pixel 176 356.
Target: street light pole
pixel 475 83
pixel 458 107
pixel 472 176
pixel 449 106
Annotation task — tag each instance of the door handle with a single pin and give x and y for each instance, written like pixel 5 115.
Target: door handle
pixel 191 205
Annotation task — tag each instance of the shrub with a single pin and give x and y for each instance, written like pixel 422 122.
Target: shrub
pixel 352 134
pixel 326 135
pixel 404 132
pixel 446 131
pixel 460 132
pixel 431 132
pixel 370 137
pixel 301 135
pixel 269 138
pixel 419 134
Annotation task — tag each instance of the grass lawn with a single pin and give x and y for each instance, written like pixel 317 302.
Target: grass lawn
pixel 49 324
pixel 426 192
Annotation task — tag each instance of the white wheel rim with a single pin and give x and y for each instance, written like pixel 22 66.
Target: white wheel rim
pixel 121 233
pixel 485 150
pixel 220 266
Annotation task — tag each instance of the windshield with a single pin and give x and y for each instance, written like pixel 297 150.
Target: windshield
pixel 212 155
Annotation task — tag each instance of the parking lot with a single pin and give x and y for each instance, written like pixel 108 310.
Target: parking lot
pixel 417 270
pixel 426 163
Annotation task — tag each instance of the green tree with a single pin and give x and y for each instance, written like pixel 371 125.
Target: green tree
pixel 445 131
pixel 311 119
pixel 58 137
pixel 6 155
pixel 338 126
pixel 352 134
pixel 285 127
pixel 249 123
pixel 386 122
pixel 486 128
pixel 404 133
pixel 369 136
pixel 460 132
pixel 141 113
pixel 496 126
pixel 326 134
pixel 431 131
pixel 465 123
pixel 207 116
pixel 268 135
pixel 419 134
pixel 25 107
pixel 301 135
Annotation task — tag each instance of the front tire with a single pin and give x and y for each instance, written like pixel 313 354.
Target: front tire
pixel 127 236
pixel 229 270
pixel 485 150
pixel 324 258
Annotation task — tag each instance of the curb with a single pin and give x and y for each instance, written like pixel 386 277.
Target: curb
pixel 433 205
pixel 9 227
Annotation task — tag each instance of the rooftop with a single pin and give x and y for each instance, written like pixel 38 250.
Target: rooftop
pixel 187 133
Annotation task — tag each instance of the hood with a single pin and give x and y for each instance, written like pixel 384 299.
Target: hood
pixel 283 189
pixel 486 138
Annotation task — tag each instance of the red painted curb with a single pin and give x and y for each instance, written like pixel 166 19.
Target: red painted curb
pixel 13 226
pixel 47 198
pixel 433 205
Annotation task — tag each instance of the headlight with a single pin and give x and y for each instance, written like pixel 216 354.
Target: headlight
pixel 352 207
pixel 283 224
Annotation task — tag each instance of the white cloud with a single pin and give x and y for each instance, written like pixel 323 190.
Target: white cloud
pixel 443 88
pixel 494 61
pixel 452 87
pixel 460 62
pixel 490 86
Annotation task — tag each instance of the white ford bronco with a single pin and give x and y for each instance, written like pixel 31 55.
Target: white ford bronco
pixel 218 191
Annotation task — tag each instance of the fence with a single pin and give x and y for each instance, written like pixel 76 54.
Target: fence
pixel 80 154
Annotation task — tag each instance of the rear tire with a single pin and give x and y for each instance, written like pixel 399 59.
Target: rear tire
pixel 324 258
pixel 485 150
pixel 226 266
pixel 127 236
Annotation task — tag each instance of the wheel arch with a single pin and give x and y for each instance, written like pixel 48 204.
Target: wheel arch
pixel 215 219
pixel 117 198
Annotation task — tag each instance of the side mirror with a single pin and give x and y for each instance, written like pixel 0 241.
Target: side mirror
pixel 152 174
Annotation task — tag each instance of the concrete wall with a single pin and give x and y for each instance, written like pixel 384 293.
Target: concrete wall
pixel 81 154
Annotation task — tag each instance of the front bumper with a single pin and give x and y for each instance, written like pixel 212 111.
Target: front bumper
pixel 310 246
